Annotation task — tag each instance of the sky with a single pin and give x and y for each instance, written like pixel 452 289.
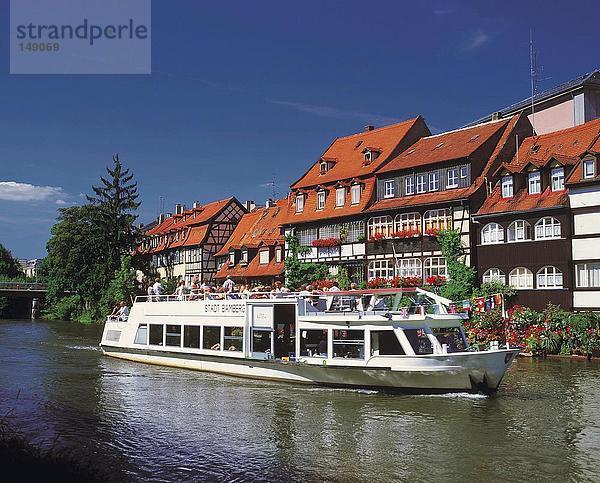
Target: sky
pixel 243 93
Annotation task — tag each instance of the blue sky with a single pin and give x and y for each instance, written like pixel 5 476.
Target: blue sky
pixel 242 92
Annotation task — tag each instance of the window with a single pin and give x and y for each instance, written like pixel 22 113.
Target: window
pixel 437 220
pixel 156 334
pixel 211 338
pixel 421 183
pixel 340 197
pixel 356 230
pixel 349 344
pixel 507 186
pixel 261 340
pixel 299 203
pixel 278 255
pixel 380 225
pixel 233 339
pixel 263 257
pixel 419 341
pixel 306 236
pixel 231 257
pixel 320 200
pixel 141 336
pixel 330 231
pixel 435 266
pixel 549 277
pixel 519 230
pixel 409 267
pixel 494 275
pixel 368 157
pixel 434 181
pixel 521 278
pixel 355 194
pixel 587 274
pixel 324 167
pixel 409 185
pixel 389 188
pixel 535 183
pixel 173 336
pixel 547 227
pixel 408 222
pixel 381 269
pixel 451 336
pixel 191 336
pixel 557 177
pixel 244 256
pixel 452 178
pixel 589 168
pixel 384 343
pixel 313 342
pixel 492 233
pixel 464 172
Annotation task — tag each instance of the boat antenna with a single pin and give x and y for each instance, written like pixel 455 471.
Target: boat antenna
pixel 533 76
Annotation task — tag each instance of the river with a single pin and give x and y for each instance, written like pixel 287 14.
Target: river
pixel 163 424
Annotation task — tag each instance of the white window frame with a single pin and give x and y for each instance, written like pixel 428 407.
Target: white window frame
pixel 492 234
pixel 435 266
pixel 587 275
pixel 323 167
pixel 547 228
pixel 355 194
pixel 521 278
pixel 589 168
pixel 278 254
pixel 439 219
pixel 434 181
pixel 464 172
pixel 421 183
pixel 452 178
pixel 389 188
pixel 557 178
pixel 244 258
pixel 549 278
pixel 494 275
pixel 520 230
pixel 380 269
pixel 534 182
pixel 340 197
pixel 368 156
pixel 507 186
pixel 409 185
pixel 299 203
pixel 409 267
pixel 320 200
pixel 231 257
pixel 263 256
pixel 380 224
pixel 408 221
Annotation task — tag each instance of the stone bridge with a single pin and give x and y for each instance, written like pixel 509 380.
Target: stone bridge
pixel 22 299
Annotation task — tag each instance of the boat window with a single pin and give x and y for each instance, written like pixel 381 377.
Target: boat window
pixel 385 343
pixel 349 344
pixel 173 336
pixel 419 341
pixel 156 334
pixel 313 342
pixel 234 338
pixel 141 336
pixel 450 336
pixel 212 338
pixel 191 336
pixel 261 340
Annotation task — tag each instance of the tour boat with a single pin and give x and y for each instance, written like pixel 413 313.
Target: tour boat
pixel 405 340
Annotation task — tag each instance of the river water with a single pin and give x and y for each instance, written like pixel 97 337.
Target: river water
pixel 146 422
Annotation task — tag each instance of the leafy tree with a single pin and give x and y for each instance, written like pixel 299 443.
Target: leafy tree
pixel 461 277
pixel 298 272
pixel 9 267
pixel 123 287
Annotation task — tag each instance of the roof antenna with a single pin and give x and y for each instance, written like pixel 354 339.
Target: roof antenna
pixel 533 76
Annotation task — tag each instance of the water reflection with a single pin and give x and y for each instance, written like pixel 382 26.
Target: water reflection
pixel 167 424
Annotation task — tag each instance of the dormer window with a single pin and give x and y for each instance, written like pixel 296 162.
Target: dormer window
pixel 389 188
pixel 368 157
pixel 278 255
pixel 507 187
pixel 421 180
pixel 452 178
pixel 355 194
pixel 299 203
pixel 340 197
pixel 320 200
pixel 263 257
pixel 557 178
pixel 434 181
pixel 535 148
pixel 324 167
pixel 535 183
pixel 231 257
pixel 589 168
pixel 244 256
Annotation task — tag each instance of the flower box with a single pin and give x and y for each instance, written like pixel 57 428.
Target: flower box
pixel 326 242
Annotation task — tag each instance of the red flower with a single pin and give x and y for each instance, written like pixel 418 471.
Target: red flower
pixel 326 242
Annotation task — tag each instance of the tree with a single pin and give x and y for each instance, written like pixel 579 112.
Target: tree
pixel 9 267
pixel 297 272
pixel 461 277
pixel 123 287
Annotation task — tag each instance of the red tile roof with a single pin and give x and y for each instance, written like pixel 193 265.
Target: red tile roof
pixel 261 226
pixel 522 201
pixel 347 153
pixel 576 175
pixel 445 146
pixel 253 270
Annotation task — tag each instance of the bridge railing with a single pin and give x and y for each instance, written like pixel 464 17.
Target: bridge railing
pixel 22 286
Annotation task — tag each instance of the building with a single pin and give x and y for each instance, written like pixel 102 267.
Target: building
pixel 30 267
pixel 326 205
pixel 183 245
pixel 254 254
pixel 567 105
pixel 434 185
pixel 524 226
pixel 584 196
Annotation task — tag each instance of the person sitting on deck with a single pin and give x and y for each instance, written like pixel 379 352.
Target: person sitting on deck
pixel 335 287
pixel 123 313
pixel 228 285
pixel 158 289
pixel 180 291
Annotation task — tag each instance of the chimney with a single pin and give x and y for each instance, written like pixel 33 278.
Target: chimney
pixel 196 204
pixel 496 115
pixel 179 209
pixel 369 127
pixel 270 203
pixel 249 205
pixel 161 218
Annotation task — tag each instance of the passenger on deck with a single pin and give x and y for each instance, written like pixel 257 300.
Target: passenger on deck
pixel 123 313
pixel 158 289
pixel 150 292
pixel 228 285
pixel 323 347
pixel 331 300
pixel 180 291
pixel 115 310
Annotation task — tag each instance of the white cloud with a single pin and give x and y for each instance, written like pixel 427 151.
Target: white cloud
pixel 477 40
pixel 13 191
pixel 61 202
